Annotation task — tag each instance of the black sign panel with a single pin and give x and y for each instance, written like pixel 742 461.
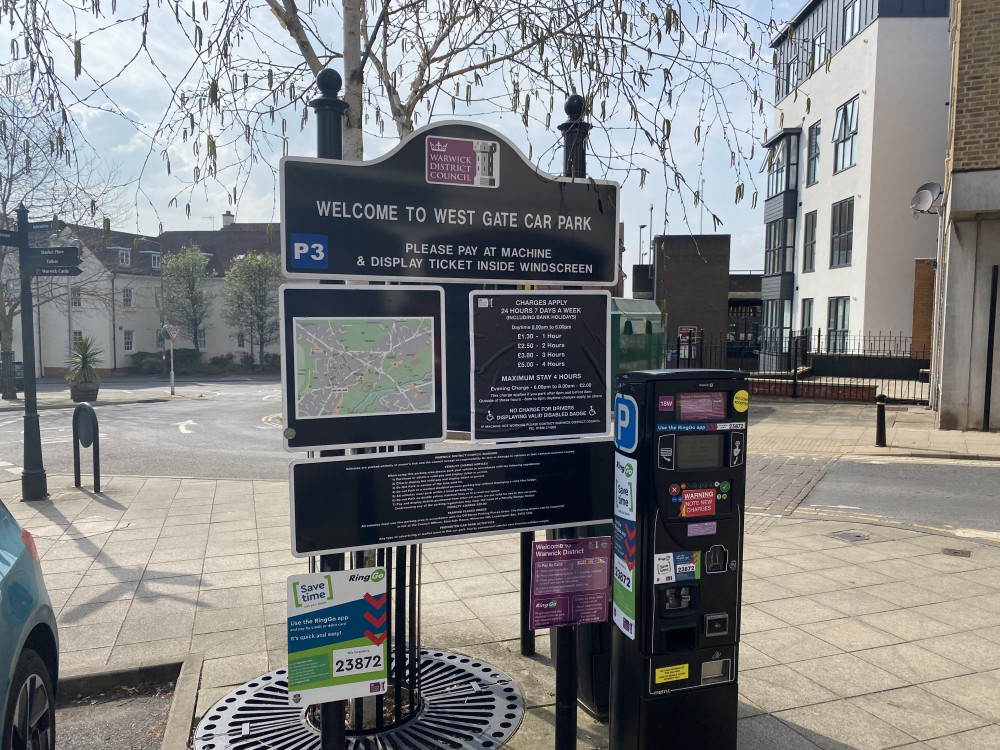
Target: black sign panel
pixel 378 500
pixel 361 365
pixel 541 364
pixel 55 225
pixel 55 271
pixel 453 202
pixel 40 257
pixel 11 238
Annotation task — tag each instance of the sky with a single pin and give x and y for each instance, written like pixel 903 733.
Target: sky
pixel 156 198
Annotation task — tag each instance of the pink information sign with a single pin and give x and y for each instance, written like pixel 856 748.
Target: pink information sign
pixel 570 581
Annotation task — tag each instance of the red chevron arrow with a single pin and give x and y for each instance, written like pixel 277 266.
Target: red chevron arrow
pixel 378 603
pixel 630 564
pixel 629 549
pixel 376 639
pixel 630 532
pixel 376 622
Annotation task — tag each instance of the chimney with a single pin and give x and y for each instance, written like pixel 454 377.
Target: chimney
pixel 227 219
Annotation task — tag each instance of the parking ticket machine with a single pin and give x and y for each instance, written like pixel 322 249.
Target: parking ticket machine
pixel 680 476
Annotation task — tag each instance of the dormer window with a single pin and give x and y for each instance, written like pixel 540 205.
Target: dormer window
pixel 125 258
pixel 154 260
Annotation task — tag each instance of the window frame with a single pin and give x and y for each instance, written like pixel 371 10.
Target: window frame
pixel 845 135
pixel 809 224
pixel 779 246
pixel 808 308
pixel 202 339
pixel 812 154
pixel 240 341
pixel 155 260
pixel 128 340
pixel 76 296
pixel 77 337
pixel 818 46
pixel 841 256
pixel 127 297
pixel 852 19
pixel 124 257
pixel 838 323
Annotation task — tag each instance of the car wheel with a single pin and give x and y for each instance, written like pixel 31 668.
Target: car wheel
pixel 30 720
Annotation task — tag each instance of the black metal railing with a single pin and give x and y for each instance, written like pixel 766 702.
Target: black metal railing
pixel 816 364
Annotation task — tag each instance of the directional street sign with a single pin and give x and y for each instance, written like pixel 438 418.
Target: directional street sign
pixel 52 257
pixel 58 271
pixel 55 226
pixel 10 237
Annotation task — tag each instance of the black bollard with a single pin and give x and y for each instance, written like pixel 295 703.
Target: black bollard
pixel 880 421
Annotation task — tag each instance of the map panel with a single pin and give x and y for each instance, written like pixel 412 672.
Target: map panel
pixel 363 366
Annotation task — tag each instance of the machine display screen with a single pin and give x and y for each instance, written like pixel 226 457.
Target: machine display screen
pixel 701 407
pixel 700 451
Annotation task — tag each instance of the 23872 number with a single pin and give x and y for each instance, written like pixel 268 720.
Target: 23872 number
pixel 359 664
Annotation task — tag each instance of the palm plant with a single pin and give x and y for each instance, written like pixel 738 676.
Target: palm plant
pixel 83 360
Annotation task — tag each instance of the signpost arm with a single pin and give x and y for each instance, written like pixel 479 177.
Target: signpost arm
pixel 33 479
pixel 330 108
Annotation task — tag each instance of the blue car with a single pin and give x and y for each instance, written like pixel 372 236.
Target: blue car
pixel 29 643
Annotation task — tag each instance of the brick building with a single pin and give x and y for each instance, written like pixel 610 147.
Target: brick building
pixel 965 388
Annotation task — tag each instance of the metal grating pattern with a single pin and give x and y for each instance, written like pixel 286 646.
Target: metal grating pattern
pixel 466 704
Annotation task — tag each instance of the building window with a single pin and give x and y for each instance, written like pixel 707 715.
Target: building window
pixel 779 249
pixel 77 337
pixel 817 56
pixel 807 314
pixel 776 175
pixel 791 76
pixel 124 257
pixel 127 297
pixel 852 19
pixel 812 163
pixel 809 243
pixel 201 339
pixel 239 341
pixel 845 136
pixel 161 343
pixel 129 340
pixel 782 166
pixel 76 296
pixel 837 324
pixel 776 326
pixel 154 260
pixel 842 233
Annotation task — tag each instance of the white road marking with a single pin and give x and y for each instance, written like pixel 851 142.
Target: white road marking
pixel 843 507
pixel 978 534
pixel 184 426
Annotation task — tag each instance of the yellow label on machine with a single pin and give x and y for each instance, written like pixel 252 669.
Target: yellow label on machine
pixel 672 674
pixel 741 401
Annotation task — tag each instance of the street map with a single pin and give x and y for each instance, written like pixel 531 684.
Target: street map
pixel 363 366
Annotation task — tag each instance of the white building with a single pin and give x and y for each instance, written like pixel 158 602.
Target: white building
pixel 116 299
pixel 861 122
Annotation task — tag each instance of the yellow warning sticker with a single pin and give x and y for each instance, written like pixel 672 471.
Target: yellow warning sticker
pixel 741 401
pixel 672 674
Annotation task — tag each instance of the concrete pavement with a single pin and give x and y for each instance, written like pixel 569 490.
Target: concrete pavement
pixel 891 641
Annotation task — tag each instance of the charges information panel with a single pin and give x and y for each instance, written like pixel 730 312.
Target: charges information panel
pixel 540 364
pixel 424 496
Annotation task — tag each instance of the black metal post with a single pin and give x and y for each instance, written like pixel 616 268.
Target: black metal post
pixel 566 678
pixel 34 484
pixel 880 421
pixel 988 392
pixel 527 635
pixel 575 131
pixel 330 108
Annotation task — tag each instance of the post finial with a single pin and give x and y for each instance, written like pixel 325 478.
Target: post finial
pixel 329 82
pixel 574 107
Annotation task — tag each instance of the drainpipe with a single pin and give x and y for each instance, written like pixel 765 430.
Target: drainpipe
pixel 114 328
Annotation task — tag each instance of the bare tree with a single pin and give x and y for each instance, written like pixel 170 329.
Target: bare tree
pixel 643 65
pixel 40 168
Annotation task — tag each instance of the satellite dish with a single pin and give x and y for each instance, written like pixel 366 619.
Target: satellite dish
pixel 922 201
pixel 933 188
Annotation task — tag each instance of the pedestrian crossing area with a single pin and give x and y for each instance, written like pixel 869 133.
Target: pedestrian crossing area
pixel 5 466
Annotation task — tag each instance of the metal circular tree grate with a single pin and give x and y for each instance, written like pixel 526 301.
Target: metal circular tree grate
pixel 465 704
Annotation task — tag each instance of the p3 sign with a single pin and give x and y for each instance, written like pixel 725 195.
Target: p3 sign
pixel 309 251
pixel 626 423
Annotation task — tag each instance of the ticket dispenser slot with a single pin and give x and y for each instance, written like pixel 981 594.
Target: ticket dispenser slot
pixel 678 626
